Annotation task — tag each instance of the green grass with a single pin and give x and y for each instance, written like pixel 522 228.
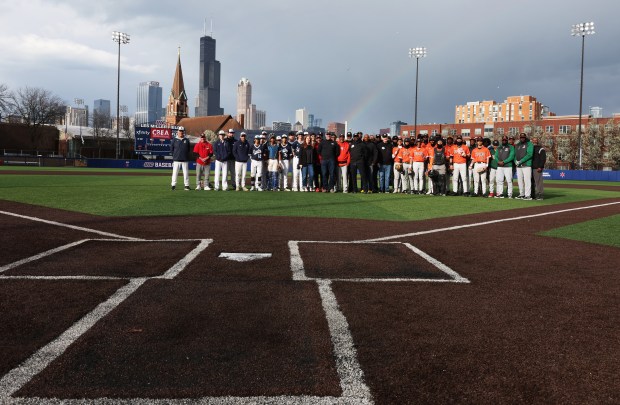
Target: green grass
pixel 602 231
pixel 151 196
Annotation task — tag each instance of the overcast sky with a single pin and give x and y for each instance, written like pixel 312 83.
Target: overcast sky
pixel 343 60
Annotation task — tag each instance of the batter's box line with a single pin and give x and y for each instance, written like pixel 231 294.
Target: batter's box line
pixel 230 400
pixel 171 273
pixel 299 273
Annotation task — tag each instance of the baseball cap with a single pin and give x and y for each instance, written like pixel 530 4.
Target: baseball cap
pixel 181 129
pixel 278 138
pixel 243 134
pixel 231 131
pixel 221 133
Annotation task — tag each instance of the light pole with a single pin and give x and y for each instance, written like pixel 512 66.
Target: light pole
pixel 123 110
pixel 581 29
pixel 416 53
pixel 80 102
pixel 120 38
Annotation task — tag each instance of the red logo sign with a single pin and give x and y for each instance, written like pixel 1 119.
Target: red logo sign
pixel 161 133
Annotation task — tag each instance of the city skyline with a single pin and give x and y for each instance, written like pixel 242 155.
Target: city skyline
pixel 354 74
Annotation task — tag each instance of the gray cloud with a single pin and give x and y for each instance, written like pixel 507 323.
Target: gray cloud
pixel 343 60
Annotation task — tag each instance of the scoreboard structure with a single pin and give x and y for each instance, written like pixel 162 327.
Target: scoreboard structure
pixel 154 139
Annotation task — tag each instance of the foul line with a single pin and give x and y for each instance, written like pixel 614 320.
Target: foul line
pixel 495 221
pixel 181 264
pixel 22 374
pixel 230 400
pixel 77 228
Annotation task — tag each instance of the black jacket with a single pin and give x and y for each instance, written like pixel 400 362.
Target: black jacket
pixel 308 156
pixel 540 157
pixel 384 156
pixel 179 148
pixel 358 152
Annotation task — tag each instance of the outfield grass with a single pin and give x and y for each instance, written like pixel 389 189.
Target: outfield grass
pixel 151 196
pixel 602 231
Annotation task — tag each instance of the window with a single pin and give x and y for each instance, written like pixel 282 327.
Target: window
pixel 513 131
pixel 539 129
pixel 434 132
pixel 465 132
pixel 560 156
pixel 405 133
pixel 549 129
pixel 500 131
pixel 609 127
pixel 444 132
pixel 478 131
pixel 453 132
pixel 565 129
pixel 527 129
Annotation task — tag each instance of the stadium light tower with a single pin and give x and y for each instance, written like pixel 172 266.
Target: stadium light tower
pixel 120 38
pixel 416 53
pixel 581 29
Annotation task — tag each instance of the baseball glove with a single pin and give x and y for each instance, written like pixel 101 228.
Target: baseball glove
pixel 398 167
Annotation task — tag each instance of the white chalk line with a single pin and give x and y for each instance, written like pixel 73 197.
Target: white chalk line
pixel 22 374
pixel 229 400
pixel 40 255
pixel 299 272
pixel 170 273
pixel 347 365
pixel 181 264
pixel 495 221
pixel 77 228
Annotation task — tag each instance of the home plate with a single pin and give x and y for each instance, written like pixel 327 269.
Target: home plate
pixel 244 257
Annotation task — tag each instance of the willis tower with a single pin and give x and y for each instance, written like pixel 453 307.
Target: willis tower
pixel 208 101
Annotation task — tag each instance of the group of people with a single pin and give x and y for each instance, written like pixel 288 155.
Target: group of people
pixel 384 164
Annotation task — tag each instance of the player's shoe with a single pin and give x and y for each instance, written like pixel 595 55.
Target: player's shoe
pixel 173 188
pixel 186 188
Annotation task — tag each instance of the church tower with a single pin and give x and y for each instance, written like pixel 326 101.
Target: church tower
pixel 177 107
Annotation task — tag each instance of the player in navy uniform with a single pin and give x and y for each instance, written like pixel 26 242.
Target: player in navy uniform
pixel 285 158
pixel 256 164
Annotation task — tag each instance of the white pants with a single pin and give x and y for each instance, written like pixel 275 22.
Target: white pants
pixel 478 177
pixel 344 178
pixel 407 177
pixel 296 174
pixel 492 177
pixel 240 170
pixel 460 169
pixel 418 176
pixel 399 179
pixel 221 170
pixel 284 177
pixel 504 173
pixel 256 171
pixel 524 179
pixel 175 172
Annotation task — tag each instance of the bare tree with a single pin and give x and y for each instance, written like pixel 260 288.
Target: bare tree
pixel 612 143
pixel 592 144
pixel 101 130
pixel 36 107
pixel 5 99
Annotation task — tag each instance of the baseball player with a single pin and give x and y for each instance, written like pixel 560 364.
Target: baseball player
pixel 204 150
pixel 458 165
pixel 480 156
pixel 504 155
pixel 179 148
pixel 523 160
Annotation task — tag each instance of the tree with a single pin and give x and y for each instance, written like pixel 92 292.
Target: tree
pixel 210 136
pixel 612 142
pixel 592 146
pixel 101 130
pixel 5 99
pixel 36 107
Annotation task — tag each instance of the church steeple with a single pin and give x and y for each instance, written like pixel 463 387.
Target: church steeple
pixel 177 108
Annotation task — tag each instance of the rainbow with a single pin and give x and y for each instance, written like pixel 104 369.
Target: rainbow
pixel 376 94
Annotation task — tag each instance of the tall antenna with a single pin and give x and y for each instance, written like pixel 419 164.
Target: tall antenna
pixel 204 28
pixel 212 28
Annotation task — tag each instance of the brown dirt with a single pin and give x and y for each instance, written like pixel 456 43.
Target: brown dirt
pixel 537 324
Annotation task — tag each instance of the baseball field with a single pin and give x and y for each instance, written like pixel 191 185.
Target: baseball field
pixel 115 289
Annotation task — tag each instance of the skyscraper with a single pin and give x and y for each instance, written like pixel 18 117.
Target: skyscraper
pixel 208 100
pixel 244 103
pixel 301 116
pixel 101 114
pixel 149 103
